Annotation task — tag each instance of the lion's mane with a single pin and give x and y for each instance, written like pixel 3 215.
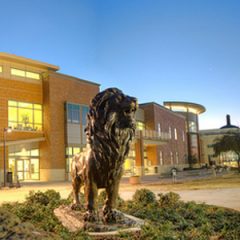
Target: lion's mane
pixel 110 128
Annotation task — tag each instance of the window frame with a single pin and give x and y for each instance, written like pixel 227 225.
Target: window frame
pixel 30 125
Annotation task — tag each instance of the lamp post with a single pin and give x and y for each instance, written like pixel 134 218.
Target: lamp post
pixel 5 131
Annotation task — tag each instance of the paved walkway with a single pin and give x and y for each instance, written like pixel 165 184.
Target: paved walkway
pixel 226 197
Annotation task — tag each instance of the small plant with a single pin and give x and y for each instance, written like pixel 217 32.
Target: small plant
pixel 170 199
pixel 144 197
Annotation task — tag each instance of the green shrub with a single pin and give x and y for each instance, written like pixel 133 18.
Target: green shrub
pixel 11 227
pixel 144 197
pixel 170 199
pixel 44 198
pixel 167 218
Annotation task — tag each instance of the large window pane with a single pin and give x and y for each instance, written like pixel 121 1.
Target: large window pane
pixel 37 116
pixel 22 73
pixel 38 106
pixel 12 103
pixel 73 113
pixel 25 105
pixel 33 75
pixel 12 114
pixel 192 126
pixel 17 72
pixel 24 116
pixel 84 114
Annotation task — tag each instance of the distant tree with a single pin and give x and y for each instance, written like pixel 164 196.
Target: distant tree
pixel 228 142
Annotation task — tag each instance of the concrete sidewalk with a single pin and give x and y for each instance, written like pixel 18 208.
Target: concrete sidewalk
pixel 226 197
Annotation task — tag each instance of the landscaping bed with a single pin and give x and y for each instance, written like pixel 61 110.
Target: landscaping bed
pixel 166 217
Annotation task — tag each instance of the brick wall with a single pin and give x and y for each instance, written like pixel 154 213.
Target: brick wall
pixel 155 114
pixel 57 90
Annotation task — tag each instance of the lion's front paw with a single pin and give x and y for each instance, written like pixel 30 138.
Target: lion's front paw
pixel 109 215
pixel 76 207
pixel 90 216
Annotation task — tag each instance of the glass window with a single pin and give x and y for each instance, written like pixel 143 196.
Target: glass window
pixel 22 73
pixel 12 114
pixel 34 169
pixel 175 133
pixel 17 72
pixel 24 116
pixel 194 145
pixel 161 157
pixel 183 136
pixel 12 103
pixel 70 152
pixel 25 164
pixel 170 132
pixel 73 113
pixel 1 69
pixel 33 75
pixel 38 117
pixel 140 126
pixel 84 115
pixel 192 126
pixel 159 129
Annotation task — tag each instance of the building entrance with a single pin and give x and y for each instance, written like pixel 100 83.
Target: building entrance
pixel 23 170
pixel 24 164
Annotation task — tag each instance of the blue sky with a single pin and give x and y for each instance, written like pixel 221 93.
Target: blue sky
pixel 153 49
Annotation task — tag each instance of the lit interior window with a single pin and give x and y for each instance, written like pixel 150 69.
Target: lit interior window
pixel 33 75
pixel 70 152
pixel 140 126
pixel 24 164
pixel 22 73
pixel 175 133
pixel 17 72
pixel 24 116
pixel 1 69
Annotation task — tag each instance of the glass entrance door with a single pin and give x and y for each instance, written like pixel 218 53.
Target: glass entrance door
pixel 20 169
pixel 24 164
pixel 23 169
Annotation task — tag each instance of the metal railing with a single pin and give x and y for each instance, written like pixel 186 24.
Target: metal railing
pixel 152 135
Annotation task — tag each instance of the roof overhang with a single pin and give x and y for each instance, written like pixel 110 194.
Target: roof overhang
pixel 199 108
pixel 30 140
pixel 27 61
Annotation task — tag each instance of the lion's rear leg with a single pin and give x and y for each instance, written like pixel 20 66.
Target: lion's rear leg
pixel 76 184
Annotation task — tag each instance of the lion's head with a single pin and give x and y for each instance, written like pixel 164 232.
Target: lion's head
pixel 111 113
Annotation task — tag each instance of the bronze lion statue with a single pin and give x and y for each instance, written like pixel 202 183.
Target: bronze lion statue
pixel 110 129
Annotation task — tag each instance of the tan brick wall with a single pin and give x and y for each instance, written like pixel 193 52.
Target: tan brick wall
pixel 57 90
pixel 19 91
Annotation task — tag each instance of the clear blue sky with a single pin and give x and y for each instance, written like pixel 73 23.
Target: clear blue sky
pixel 153 49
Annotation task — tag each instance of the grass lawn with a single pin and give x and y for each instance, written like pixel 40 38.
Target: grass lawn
pixel 231 180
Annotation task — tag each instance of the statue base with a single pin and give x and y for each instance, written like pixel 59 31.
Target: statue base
pixel 73 221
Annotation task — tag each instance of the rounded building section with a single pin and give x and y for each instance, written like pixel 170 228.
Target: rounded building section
pixel 190 111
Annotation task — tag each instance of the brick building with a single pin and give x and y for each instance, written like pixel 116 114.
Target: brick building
pixel 160 142
pixel 43 116
pixel 45 112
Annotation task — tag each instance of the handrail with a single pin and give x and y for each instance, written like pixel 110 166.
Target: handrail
pixel 153 135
